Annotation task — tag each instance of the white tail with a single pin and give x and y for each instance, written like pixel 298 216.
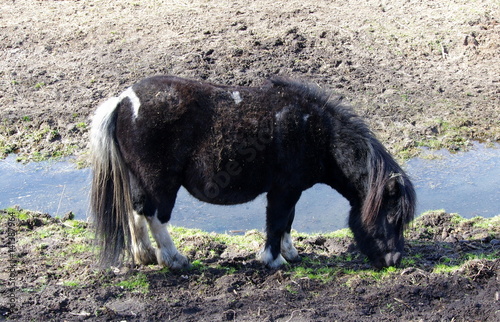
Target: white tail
pixel 111 204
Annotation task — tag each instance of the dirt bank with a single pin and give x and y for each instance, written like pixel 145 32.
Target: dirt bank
pixel 421 72
pixel 450 273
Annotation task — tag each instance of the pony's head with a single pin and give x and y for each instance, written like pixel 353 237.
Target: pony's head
pixel 389 205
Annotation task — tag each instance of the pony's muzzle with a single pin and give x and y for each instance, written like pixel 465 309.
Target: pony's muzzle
pixel 392 259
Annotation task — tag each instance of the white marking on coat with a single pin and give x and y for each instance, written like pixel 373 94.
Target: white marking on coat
pixel 236 97
pixel 280 115
pixel 305 117
pixel 134 100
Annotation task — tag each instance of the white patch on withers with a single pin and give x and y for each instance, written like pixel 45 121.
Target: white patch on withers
pixel 266 257
pixel 134 100
pixel 236 97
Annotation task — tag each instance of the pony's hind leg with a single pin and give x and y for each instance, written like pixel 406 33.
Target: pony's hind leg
pixel 166 254
pixel 142 250
pixel 280 211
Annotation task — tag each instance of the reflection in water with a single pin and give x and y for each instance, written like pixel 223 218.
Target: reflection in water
pixel 466 183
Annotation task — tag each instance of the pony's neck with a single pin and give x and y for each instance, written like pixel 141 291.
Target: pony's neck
pixel 349 172
pixel 357 158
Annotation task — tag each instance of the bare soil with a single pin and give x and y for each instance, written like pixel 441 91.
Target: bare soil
pixel 450 273
pixel 421 72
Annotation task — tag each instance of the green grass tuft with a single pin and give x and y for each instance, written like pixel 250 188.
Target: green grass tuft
pixel 136 283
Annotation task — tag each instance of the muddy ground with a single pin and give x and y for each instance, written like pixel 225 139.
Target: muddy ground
pixel 422 73
pixel 451 272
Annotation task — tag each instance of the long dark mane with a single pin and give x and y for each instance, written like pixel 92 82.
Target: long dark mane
pixel 383 168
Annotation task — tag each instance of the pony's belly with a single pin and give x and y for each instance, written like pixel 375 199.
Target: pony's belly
pixel 235 182
pixel 218 195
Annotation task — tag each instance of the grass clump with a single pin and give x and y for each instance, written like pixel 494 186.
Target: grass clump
pixel 16 213
pixel 486 223
pixel 445 269
pixel 136 283
pixel 72 284
pixel 323 274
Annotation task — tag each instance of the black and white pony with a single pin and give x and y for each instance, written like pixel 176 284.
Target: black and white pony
pixel 227 145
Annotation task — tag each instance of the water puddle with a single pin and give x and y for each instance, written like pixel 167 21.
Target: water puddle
pixel 52 187
pixel 466 183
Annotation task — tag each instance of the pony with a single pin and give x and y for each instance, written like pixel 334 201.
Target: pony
pixel 227 145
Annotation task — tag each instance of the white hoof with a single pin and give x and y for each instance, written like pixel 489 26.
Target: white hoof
pixel 144 255
pixel 288 250
pixel 266 257
pixel 173 261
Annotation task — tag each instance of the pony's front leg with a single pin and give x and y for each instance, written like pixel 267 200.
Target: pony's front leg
pixel 289 251
pixel 166 254
pixel 280 213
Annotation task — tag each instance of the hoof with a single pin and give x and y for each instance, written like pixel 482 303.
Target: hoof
pixel 176 261
pixel 288 251
pixel 266 257
pixel 297 259
pixel 291 254
pixel 180 262
pixel 146 256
